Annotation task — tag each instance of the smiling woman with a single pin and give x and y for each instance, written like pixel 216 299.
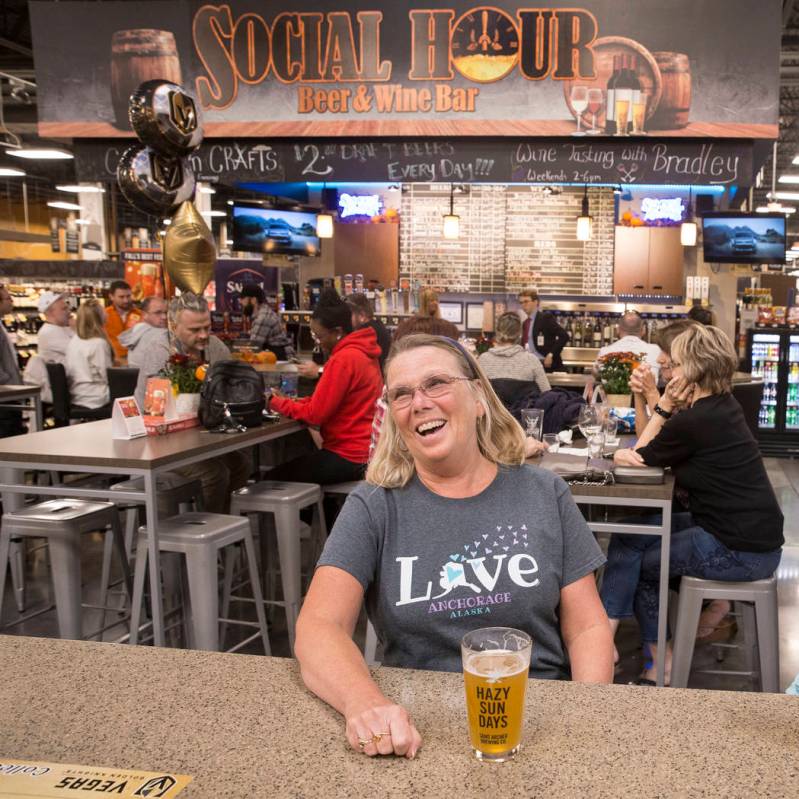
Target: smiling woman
pixel 450 533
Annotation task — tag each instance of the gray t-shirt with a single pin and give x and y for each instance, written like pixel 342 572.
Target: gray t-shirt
pixel 434 568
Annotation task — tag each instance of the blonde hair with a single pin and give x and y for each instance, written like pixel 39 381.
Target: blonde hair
pixel 509 328
pixel 89 322
pixel 499 436
pixel 664 337
pixel 427 298
pixel 707 357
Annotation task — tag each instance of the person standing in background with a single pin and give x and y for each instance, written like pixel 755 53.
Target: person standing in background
pixel 363 315
pixel 139 337
pixel 10 420
pixel 119 316
pixel 56 333
pixel 541 334
pixel 266 331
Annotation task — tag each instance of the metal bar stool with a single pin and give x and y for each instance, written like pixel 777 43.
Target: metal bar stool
pixel 285 501
pixel 176 494
pixel 61 522
pixel 762 594
pixel 199 537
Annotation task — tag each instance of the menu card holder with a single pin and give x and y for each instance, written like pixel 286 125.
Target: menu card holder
pixel 126 419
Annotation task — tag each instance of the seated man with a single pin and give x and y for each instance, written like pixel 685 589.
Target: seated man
pixel 267 331
pixel 56 333
pixel 189 333
pixel 630 331
pixel 138 338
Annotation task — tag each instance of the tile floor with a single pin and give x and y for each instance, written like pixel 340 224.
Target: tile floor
pixel 784 475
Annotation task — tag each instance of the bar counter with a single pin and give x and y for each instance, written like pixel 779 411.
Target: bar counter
pixel 244 726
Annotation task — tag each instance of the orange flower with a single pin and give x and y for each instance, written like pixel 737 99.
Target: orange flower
pixel 200 372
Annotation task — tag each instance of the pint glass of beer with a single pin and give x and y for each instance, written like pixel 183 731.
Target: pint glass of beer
pixel 496 661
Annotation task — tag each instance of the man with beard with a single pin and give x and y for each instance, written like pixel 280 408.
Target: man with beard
pixel 266 331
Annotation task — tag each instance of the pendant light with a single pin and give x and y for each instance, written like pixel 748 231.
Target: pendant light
pixel 324 220
pixel 452 222
pixel 688 227
pixel 584 221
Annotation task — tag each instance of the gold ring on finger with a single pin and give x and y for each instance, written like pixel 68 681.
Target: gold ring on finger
pixel 364 742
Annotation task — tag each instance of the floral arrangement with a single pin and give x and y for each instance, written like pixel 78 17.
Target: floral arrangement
pixel 615 369
pixel 186 374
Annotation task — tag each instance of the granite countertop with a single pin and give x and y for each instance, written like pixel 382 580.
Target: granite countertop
pixel 244 726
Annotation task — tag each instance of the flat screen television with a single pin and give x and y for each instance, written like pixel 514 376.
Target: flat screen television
pixel 730 238
pixel 273 231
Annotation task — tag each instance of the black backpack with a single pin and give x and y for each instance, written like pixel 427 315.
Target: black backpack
pixel 232 394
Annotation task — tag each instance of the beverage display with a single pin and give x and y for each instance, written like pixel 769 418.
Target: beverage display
pixel 766 364
pixel 496 661
pixel 792 397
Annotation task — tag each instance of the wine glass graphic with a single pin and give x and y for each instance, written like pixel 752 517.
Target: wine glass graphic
pixel 579 101
pixel 596 100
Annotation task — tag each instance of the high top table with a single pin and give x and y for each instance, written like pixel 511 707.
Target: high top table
pixel 90 448
pixel 244 726
pixel 11 397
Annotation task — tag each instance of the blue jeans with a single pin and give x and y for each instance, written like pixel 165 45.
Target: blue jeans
pixel 630 585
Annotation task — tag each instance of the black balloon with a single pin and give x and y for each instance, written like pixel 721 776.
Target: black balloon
pixel 166 117
pixel 154 183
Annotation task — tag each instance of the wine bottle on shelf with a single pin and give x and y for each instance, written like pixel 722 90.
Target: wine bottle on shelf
pixel 597 333
pixel 578 333
pixel 610 103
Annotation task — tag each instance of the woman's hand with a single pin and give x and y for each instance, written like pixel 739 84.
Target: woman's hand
pixel 642 381
pixel 678 394
pixel 627 457
pixel 308 369
pixel 533 447
pixel 383 730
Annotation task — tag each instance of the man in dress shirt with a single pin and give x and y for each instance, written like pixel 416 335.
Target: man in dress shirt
pixel 10 420
pixel 541 334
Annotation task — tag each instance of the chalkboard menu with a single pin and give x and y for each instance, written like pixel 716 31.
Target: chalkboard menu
pixel 511 237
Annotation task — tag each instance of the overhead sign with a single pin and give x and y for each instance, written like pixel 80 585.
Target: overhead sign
pixel 399 68
pixel 505 160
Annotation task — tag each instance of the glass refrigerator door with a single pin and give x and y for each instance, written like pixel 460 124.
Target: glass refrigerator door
pixel 792 398
pixel 765 364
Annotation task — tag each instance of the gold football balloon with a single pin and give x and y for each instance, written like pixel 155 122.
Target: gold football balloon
pixel 189 252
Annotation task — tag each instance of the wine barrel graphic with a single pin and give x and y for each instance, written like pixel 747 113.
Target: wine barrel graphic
pixel 604 49
pixel 138 55
pixel 674 108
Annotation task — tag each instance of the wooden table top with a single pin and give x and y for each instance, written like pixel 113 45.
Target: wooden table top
pixel 8 392
pixel 91 444
pixel 244 725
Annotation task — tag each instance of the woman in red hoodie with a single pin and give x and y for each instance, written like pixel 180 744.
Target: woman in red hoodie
pixel 343 403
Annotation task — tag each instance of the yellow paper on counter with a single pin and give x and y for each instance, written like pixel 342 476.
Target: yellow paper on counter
pixel 32 778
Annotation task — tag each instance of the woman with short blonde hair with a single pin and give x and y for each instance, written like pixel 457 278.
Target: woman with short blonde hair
pixel 507 359
pixel 88 358
pixel 450 532
pixel 733 531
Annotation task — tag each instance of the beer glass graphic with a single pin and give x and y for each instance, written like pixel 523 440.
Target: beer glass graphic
pixel 496 661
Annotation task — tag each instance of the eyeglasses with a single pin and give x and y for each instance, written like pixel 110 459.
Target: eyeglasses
pixel 432 387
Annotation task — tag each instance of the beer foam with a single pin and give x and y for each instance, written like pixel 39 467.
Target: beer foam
pixel 496 664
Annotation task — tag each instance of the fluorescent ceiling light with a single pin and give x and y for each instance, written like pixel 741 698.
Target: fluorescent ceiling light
pixel 41 154
pixel 64 206
pixel 784 195
pixel 772 208
pixel 213 213
pixel 788 179
pixel 10 172
pixel 81 189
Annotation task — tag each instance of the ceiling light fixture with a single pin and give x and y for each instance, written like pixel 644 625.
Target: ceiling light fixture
pixel 452 222
pixel 324 219
pixel 10 172
pixel 788 179
pixel 41 153
pixel 75 189
pixel 584 221
pixel 213 213
pixel 64 206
